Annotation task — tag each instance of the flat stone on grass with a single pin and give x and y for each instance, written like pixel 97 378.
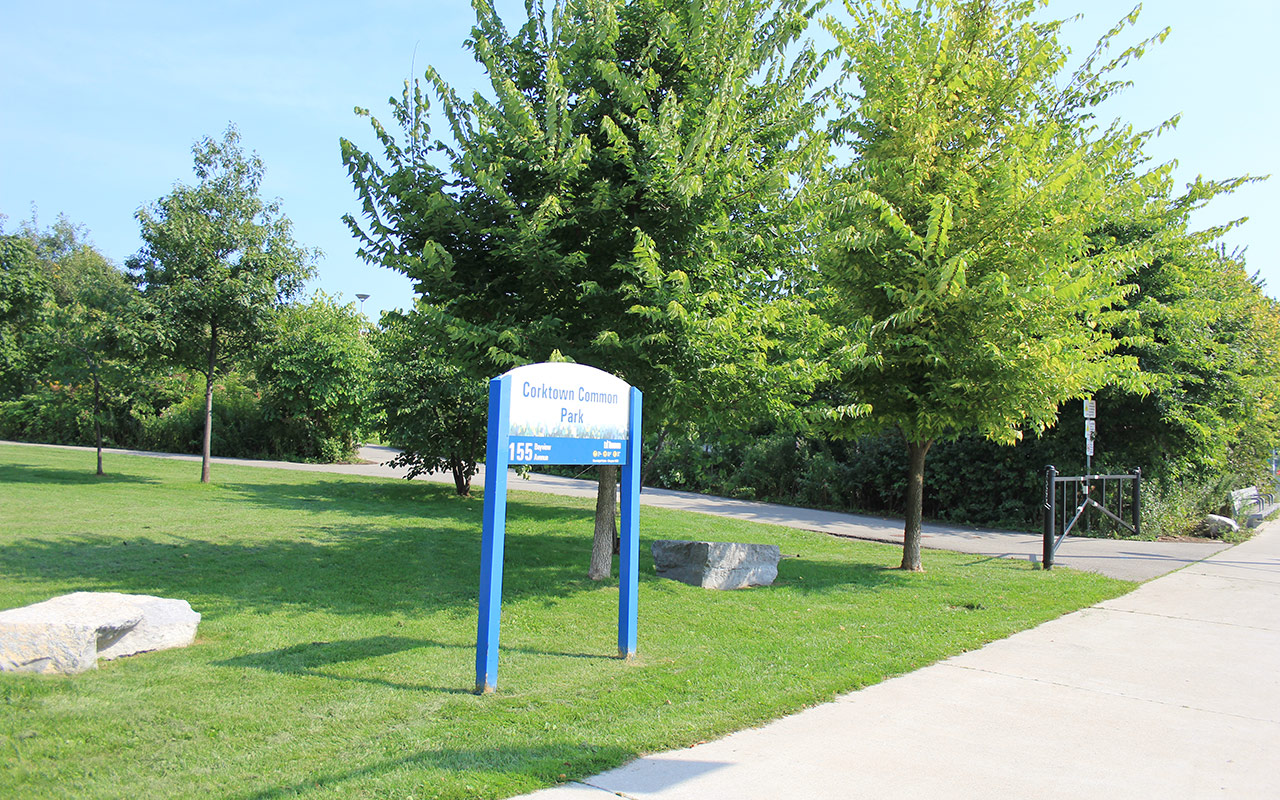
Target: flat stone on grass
pixel 1217 526
pixel 716 565
pixel 68 634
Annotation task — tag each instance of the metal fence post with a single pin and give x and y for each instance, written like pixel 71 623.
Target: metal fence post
pixel 1137 501
pixel 1050 515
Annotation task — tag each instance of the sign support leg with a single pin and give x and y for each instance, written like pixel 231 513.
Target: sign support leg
pixel 494 537
pixel 629 536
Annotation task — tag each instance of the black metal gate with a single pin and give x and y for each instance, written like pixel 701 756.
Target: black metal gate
pixel 1069 499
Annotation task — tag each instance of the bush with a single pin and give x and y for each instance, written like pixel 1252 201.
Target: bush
pixel 1178 507
pixel 314 371
pixel 52 414
pixel 239 430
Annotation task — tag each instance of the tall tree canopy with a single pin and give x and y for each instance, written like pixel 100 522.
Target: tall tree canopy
pixel 1208 342
pixel 967 253
pixel 622 197
pixel 216 260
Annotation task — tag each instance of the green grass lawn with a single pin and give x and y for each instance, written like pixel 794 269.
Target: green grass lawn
pixel 335 657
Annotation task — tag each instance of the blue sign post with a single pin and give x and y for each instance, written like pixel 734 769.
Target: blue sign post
pixel 557 414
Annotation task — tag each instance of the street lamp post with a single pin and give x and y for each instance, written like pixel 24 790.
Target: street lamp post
pixel 362 298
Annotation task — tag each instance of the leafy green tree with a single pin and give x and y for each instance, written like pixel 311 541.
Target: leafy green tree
pixel 1207 340
pixel 96 332
pixel 83 327
pixel 24 300
pixel 433 407
pixel 313 369
pixel 216 261
pixel 963 253
pixel 624 197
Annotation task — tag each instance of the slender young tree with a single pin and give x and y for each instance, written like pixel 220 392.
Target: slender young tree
pixel 96 330
pixel 84 327
pixel 966 248
pixel 622 197
pixel 215 261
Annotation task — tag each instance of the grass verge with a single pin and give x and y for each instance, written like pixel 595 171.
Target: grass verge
pixel 335 656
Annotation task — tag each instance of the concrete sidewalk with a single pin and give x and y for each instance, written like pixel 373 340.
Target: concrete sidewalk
pixel 1129 560
pixel 1170 691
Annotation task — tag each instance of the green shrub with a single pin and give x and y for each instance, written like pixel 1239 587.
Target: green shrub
pixel 688 464
pixel 314 372
pixel 52 414
pixel 239 430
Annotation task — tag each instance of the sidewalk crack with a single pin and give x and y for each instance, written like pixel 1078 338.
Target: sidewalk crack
pixel 610 791
pixel 1224 623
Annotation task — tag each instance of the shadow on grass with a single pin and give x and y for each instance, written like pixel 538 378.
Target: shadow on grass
pixel 326 491
pixel 811 576
pixel 419 551
pixel 351 571
pixel 545 761
pixel 309 659
pixel 30 473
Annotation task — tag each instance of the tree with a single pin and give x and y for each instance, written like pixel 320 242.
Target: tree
pixel 94 330
pixel 216 261
pixel 623 198
pixel 963 253
pixel 433 407
pixel 313 368
pixel 24 300
pixel 1208 343
pixel 78 317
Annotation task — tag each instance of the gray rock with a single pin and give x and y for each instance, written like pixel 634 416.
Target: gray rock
pixel 716 565
pixel 1216 525
pixel 68 634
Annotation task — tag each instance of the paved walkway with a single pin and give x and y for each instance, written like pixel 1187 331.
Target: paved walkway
pixel 1170 691
pixel 1129 560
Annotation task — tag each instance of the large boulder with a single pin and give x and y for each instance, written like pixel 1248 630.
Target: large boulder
pixel 68 634
pixel 1216 526
pixel 716 565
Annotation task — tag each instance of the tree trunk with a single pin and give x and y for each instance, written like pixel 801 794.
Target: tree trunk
pixel 461 483
pixel 606 512
pixel 208 403
pixel 916 451
pixel 97 417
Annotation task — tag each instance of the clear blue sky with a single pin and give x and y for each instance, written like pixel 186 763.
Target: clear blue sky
pixel 101 102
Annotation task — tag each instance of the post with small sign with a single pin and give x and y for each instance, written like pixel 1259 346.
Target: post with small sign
pixel 1090 433
pixel 557 414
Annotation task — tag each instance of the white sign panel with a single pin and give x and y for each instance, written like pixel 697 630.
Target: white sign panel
pixel 1090 429
pixel 1090 409
pixel 568 401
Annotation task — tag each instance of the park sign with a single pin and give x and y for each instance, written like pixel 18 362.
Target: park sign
pixel 567 414
pixel 557 413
